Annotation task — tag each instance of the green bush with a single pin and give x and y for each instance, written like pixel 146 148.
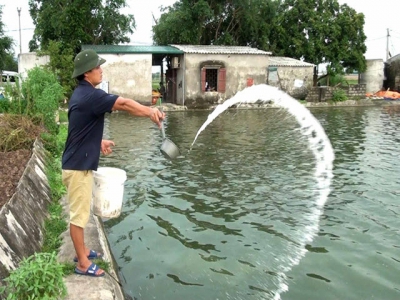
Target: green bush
pixel 5 105
pixel 39 276
pixel 13 101
pixel 339 96
pixel 43 94
pixel 13 107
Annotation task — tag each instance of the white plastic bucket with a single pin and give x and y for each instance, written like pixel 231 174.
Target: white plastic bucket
pixel 108 191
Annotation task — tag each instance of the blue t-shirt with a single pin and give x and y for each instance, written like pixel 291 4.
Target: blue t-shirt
pixel 86 110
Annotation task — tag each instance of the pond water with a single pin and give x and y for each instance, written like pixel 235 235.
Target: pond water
pixel 229 219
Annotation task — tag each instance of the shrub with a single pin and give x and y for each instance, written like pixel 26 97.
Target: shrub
pixel 39 276
pixel 339 96
pixel 43 94
pixel 13 101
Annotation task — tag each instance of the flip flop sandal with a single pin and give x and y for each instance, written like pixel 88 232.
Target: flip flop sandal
pixel 92 255
pixel 91 271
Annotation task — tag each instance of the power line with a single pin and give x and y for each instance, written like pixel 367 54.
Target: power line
pixel 394 31
pixel 18 29
pixel 395 36
pixel 380 38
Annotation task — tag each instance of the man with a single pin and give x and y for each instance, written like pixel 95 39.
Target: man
pixel 154 97
pixel 162 92
pixel 86 110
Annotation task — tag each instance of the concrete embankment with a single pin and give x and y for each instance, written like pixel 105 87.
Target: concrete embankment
pixel 22 231
pixel 22 218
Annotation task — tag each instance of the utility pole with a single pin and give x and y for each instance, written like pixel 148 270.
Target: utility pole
pixel 19 19
pixel 387 45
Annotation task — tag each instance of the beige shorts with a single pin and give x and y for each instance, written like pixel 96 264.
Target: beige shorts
pixel 79 194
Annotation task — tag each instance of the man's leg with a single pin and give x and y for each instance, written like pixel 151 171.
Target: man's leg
pixel 79 187
pixel 77 236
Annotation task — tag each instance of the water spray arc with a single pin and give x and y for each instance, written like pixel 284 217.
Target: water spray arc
pixel 318 143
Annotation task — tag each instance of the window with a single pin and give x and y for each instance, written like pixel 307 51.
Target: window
pixel 213 79
pixel 273 77
pixel 9 76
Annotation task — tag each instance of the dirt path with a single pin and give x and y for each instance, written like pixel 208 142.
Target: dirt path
pixel 12 166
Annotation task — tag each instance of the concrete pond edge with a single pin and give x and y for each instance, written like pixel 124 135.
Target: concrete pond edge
pixel 22 221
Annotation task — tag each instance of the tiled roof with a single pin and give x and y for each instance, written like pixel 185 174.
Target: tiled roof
pixel 211 49
pixel 133 49
pixel 279 61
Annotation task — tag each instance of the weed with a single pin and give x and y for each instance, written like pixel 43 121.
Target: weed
pixel 39 276
pixel 339 96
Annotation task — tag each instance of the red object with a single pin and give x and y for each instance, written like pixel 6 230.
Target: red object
pixel 250 81
pixel 222 80
pixel 203 80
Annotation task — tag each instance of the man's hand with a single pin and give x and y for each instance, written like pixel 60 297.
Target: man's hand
pixel 157 116
pixel 106 146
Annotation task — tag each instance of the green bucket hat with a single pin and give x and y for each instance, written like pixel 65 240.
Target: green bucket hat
pixel 85 61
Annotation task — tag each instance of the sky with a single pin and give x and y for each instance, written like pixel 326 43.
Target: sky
pixel 379 16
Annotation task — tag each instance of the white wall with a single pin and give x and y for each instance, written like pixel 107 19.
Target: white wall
pixel 239 68
pixel 128 75
pixel 374 75
pixel 27 61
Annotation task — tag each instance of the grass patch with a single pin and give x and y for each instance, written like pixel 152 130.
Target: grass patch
pixel 155 84
pixel 69 267
pixel 63 116
pixel 55 225
pixel 352 81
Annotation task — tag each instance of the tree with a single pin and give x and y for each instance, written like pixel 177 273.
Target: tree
pixel 6 50
pixel 61 65
pixel 10 63
pixel 216 22
pixel 317 31
pixel 320 31
pixel 73 23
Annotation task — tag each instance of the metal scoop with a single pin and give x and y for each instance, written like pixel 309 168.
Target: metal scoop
pixel 168 148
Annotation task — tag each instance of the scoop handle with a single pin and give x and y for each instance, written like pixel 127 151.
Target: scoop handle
pixel 162 125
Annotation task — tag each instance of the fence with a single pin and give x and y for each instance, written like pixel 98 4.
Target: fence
pixel 325 93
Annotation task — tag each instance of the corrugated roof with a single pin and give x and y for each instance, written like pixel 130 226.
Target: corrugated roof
pixel 133 49
pixel 280 61
pixel 393 58
pixel 211 49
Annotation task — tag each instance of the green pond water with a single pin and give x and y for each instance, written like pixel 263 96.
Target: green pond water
pixel 228 218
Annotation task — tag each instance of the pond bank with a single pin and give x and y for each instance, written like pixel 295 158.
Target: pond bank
pixel 348 103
